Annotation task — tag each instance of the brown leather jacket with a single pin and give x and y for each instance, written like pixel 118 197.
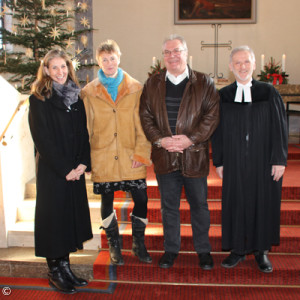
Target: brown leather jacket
pixel 198 117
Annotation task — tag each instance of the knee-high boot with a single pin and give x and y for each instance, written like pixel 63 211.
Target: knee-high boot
pixel 138 239
pixel 57 278
pixel 65 267
pixel 110 225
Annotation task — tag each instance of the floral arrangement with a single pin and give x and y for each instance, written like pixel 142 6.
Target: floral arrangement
pixel 156 69
pixel 272 73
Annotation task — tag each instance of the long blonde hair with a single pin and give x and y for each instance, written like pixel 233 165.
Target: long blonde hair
pixel 42 86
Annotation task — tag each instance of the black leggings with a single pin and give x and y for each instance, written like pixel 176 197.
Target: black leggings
pixel 140 200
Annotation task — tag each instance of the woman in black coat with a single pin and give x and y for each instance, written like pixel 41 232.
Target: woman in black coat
pixel 58 126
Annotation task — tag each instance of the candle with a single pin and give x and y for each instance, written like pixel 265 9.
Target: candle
pixel 283 63
pixel 191 62
pixel 262 62
pixel 85 62
pixel 153 61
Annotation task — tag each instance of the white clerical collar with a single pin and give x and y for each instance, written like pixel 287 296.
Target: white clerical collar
pixel 243 88
pixel 176 80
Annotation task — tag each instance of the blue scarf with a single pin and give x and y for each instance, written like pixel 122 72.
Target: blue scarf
pixel 110 83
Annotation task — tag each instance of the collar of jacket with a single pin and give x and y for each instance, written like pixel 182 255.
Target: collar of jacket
pixel 57 101
pixel 128 86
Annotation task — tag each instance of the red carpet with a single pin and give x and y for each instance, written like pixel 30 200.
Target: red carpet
pixel 239 281
pixel 36 289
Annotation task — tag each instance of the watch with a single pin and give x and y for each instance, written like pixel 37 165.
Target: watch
pixel 157 143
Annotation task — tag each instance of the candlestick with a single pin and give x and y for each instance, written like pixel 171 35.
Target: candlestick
pixel 283 63
pixel 262 62
pixel 153 61
pixel 191 62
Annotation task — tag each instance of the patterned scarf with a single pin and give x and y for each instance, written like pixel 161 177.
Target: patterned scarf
pixel 69 92
pixel 110 83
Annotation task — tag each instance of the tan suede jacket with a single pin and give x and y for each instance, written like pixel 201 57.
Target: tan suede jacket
pixel 198 117
pixel 116 134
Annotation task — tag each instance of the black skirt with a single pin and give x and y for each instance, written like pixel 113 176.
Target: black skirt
pixel 125 185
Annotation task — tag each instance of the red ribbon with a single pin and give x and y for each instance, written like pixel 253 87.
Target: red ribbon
pixel 275 78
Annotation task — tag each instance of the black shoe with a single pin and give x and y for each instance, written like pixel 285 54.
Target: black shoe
pixel 263 262
pixel 65 268
pixel 167 260
pixel 232 260
pixel 57 278
pixel 205 261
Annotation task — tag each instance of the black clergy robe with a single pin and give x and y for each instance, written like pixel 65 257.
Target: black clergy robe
pixel 250 138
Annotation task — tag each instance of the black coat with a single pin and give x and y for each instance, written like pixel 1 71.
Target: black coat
pixel 250 139
pixel 62 217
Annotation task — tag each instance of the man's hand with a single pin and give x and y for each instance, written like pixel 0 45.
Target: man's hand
pixel 176 143
pixel 277 172
pixel 219 171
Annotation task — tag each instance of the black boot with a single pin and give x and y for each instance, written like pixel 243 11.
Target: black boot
pixel 65 267
pixel 138 240
pixel 112 234
pixel 57 278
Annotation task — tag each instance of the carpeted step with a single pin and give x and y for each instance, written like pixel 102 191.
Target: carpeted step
pixel 290 211
pixel 294 151
pixel 290 185
pixel 289 238
pixel 186 270
pixel 33 288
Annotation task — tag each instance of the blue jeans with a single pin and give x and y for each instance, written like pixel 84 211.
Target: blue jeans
pixel 170 186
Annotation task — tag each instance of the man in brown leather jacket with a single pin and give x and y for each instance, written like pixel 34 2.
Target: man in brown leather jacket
pixel 179 111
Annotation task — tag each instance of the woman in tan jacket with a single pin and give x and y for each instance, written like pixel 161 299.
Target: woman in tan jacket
pixel 120 151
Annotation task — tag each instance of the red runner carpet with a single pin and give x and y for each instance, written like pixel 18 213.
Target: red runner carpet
pixel 245 277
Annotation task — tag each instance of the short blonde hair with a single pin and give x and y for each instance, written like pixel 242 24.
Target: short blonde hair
pixel 109 46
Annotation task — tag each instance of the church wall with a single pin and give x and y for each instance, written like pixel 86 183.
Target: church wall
pixel 139 27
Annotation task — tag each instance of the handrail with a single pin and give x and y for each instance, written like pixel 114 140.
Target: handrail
pixel 20 104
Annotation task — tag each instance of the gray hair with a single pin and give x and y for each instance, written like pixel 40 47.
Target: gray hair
pixel 242 48
pixel 173 37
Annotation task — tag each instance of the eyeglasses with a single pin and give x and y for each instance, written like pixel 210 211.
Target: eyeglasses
pixel 175 52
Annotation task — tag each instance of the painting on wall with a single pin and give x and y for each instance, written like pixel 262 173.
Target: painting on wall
pixel 215 11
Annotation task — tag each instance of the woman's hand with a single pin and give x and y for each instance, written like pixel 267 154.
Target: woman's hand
pixel 75 174
pixel 136 164
pixel 72 176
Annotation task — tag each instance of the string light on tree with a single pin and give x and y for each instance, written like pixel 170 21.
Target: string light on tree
pixel 76 64
pixel 84 40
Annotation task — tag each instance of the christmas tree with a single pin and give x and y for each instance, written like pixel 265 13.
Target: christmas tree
pixel 38 26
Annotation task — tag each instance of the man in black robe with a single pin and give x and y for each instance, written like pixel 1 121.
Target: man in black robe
pixel 250 154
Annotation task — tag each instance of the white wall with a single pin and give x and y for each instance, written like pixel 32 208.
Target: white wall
pixel 17 165
pixel 140 26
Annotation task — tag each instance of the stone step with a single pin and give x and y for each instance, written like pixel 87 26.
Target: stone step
pixel 22 235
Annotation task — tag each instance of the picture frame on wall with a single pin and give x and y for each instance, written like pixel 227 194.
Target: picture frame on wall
pixel 215 11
